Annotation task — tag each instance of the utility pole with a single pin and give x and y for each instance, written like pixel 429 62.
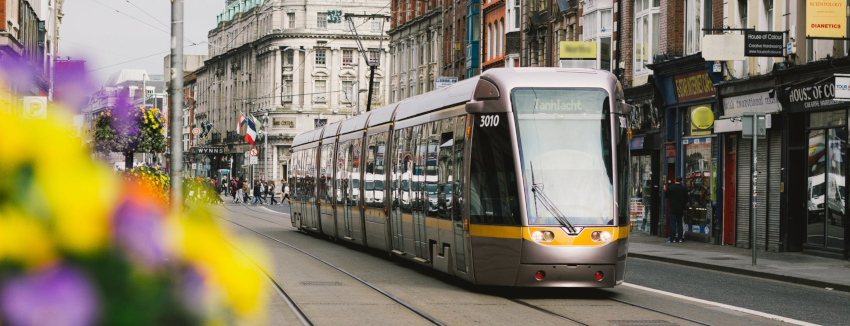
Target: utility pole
pixel 176 106
pixel 266 146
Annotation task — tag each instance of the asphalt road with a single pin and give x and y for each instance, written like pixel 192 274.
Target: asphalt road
pixel 459 303
pixel 799 302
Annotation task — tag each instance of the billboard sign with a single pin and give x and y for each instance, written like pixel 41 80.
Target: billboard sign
pixel 577 50
pixel 826 18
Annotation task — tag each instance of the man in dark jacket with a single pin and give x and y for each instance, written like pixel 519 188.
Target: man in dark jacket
pixel 677 196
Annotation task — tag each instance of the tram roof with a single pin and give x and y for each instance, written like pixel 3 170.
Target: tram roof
pixel 356 123
pixel 436 99
pixel 331 130
pixel 382 115
pixel 307 137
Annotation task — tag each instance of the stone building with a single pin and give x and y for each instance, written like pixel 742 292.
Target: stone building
pixel 297 63
pixel 415 45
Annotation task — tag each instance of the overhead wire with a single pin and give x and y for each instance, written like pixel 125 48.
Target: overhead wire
pixel 141 21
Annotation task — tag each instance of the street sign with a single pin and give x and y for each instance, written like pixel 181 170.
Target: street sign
pixel 194 166
pixel 441 82
pixel 254 160
pixel 35 107
pixel 254 152
pixel 754 124
pixel 196 131
pixel 717 67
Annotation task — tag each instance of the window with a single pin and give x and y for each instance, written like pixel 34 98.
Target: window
pixel 290 16
pixel 322 20
pixel 374 56
pixel 493 182
pixel 502 37
pixel 598 29
pixel 422 52
pixel 697 17
pixel 376 90
pixel 516 13
pixel 348 92
pixel 287 90
pixel 489 53
pixel 646 33
pixel 412 91
pixel 768 10
pixel 320 57
pixel 376 26
pixel 320 90
pixel 347 57
pixel 290 57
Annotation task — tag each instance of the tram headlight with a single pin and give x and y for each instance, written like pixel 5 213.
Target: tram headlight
pixel 600 236
pixel 542 236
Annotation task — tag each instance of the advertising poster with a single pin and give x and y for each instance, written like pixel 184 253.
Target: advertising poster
pixel 826 18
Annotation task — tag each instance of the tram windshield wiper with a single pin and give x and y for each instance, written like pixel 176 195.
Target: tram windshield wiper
pixel 540 196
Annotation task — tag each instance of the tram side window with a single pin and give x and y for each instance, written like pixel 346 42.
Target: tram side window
pixel 431 176
pixel 445 171
pixel 493 181
pixel 369 179
pixel 380 167
pixel 457 194
pixel 623 159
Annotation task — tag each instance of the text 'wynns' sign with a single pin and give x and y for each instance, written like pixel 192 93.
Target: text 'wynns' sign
pixel 693 86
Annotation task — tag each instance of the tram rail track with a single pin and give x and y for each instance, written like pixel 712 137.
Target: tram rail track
pixel 294 305
pixel 420 313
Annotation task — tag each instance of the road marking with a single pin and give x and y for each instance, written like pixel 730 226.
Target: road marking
pixel 273 211
pixel 721 305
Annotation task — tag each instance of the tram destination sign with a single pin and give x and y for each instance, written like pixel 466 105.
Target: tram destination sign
pixel 764 44
pixel 207 150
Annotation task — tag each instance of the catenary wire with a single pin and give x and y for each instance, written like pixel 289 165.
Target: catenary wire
pixel 139 20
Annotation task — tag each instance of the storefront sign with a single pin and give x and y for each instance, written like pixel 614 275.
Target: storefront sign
pixel 842 88
pixel 693 86
pixel 207 150
pixel 764 44
pixel 636 143
pixel 702 119
pixel 814 97
pixel 736 124
pixel 670 148
pixel 757 102
pixel 283 122
pixel 826 18
pixel 578 50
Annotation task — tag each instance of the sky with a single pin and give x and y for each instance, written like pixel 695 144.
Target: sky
pixel 113 34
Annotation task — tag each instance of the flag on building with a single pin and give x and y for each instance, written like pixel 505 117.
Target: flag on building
pixel 250 132
pixel 203 130
pixel 259 124
pixel 241 122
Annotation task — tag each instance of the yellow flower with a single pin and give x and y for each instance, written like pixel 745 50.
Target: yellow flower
pixel 24 240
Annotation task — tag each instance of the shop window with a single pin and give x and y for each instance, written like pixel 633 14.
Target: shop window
pixel 640 190
pixel 828 119
pixel 699 176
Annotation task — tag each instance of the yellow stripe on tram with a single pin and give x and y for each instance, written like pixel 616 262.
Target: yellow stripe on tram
pixel 495 231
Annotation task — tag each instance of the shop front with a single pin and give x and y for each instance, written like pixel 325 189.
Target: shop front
pixel 687 88
pixel 754 95
pixel 817 155
pixel 646 157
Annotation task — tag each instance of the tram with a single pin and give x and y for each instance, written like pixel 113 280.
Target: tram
pixel 517 177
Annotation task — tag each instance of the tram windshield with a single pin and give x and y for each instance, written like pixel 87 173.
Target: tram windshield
pixel 565 137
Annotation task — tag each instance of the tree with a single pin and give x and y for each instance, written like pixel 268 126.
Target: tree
pixel 128 131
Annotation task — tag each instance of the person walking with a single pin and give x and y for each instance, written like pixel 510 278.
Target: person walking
pixel 240 194
pixel 270 191
pixel 256 192
pixel 677 196
pixel 263 192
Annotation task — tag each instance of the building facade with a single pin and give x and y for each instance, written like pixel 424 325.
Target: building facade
pixel 416 38
pixel 295 66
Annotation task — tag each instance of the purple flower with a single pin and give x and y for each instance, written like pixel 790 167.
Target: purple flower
pixel 192 289
pixel 139 232
pixel 60 296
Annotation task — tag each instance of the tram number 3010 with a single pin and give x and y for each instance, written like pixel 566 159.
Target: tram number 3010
pixel 489 121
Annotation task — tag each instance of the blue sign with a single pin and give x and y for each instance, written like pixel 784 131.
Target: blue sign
pixel 636 143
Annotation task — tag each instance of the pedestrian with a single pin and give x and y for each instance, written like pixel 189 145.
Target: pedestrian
pixel 240 194
pixel 677 196
pixel 270 191
pixel 284 193
pixel 256 193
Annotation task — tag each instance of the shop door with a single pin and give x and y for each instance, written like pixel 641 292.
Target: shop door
pixel 729 187
pixel 826 188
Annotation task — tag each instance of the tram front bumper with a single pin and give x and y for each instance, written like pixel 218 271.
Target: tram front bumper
pixel 574 276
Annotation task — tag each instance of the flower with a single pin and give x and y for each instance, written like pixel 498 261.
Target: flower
pixel 57 296
pixel 139 230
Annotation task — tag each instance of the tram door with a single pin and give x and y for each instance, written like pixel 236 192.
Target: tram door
pixel 309 189
pixel 352 221
pixel 399 190
pixel 420 198
pixel 456 191
pixel 346 150
pixel 341 189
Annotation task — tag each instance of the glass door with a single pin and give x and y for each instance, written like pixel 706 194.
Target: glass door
pixel 826 187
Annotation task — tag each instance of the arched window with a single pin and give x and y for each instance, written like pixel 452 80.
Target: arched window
pixel 502 33
pixel 489 41
pixel 496 39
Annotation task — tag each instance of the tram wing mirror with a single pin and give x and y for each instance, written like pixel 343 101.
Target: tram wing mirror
pixel 475 107
pixel 625 108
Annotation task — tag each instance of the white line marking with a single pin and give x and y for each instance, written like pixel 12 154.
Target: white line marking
pixel 273 211
pixel 721 305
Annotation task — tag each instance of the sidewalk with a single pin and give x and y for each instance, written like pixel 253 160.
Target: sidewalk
pixel 790 267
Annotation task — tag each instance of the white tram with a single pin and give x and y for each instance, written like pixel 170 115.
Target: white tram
pixel 517 177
